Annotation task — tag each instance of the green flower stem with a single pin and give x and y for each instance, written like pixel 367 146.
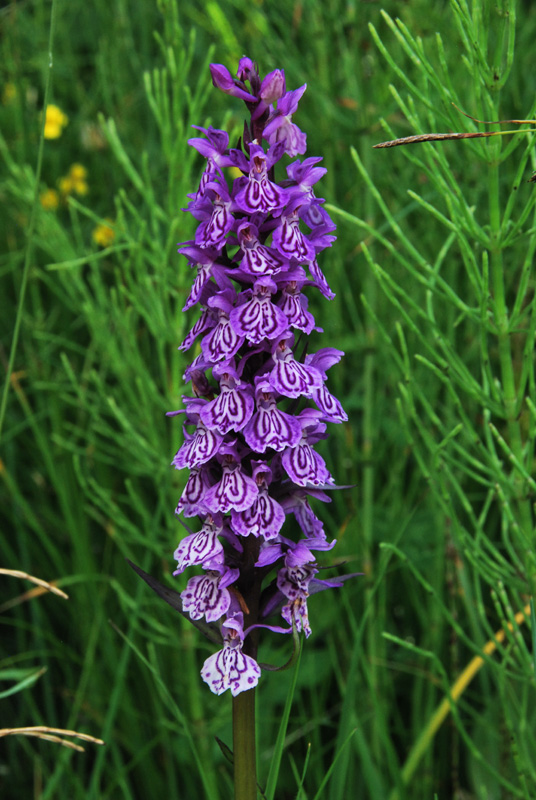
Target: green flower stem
pixel 245 767
pixel 503 333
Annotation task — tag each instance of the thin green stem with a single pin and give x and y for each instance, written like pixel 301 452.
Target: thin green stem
pixel 31 225
pixel 244 751
pixel 502 323
pixel 245 767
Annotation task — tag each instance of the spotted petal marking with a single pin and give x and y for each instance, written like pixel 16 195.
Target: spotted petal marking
pixel 204 597
pixel 198 548
pixel 271 428
pixel 294 581
pixel 234 490
pixel 294 307
pixel 230 411
pixel 222 343
pixel 264 518
pixel 297 610
pixel 329 405
pixel 230 669
pixel 198 449
pixel 258 319
pixel 305 466
pixel 292 379
pixel 288 239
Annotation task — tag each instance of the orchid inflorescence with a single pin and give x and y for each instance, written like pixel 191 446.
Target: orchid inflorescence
pixel 260 402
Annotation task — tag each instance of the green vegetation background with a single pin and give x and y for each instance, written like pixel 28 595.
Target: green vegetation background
pixel 85 475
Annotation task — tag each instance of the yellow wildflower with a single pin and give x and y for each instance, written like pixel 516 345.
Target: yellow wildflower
pixel 55 122
pixel 65 185
pixel 103 235
pixel 9 93
pixel 75 181
pixel 50 199
pixel 78 175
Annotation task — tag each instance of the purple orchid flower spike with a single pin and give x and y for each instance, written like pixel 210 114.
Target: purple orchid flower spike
pixel 259 405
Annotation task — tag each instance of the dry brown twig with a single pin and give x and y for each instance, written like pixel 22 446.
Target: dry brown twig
pixel 438 137
pixel 44 586
pixel 50 735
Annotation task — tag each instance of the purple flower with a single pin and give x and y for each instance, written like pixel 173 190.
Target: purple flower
pixel 191 502
pixel 204 260
pixel 207 595
pixel 273 86
pixel 198 447
pixel 280 128
pixel 200 548
pixel 287 237
pixel 256 258
pixel 235 490
pixel 222 79
pixel 233 407
pixel 260 406
pixel 303 465
pixel 288 376
pixel 215 215
pixel 230 668
pixel 266 516
pixel 215 147
pixel 257 193
pixel 297 502
pixel 223 342
pixel 270 427
pixel 325 401
pixel 258 318
pixel 294 304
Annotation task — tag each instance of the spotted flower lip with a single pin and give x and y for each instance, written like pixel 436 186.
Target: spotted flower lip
pixel 207 595
pixel 257 193
pixel 259 404
pixel 231 410
pixel 257 259
pixel 230 668
pixel 258 318
pixel 270 427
